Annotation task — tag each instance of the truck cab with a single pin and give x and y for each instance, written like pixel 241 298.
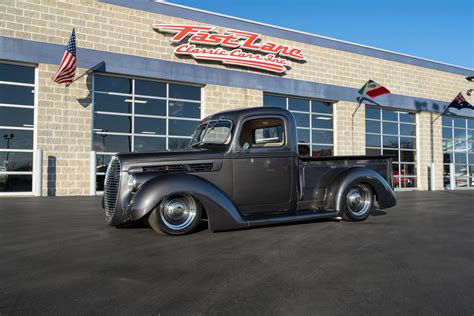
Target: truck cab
pixel 243 168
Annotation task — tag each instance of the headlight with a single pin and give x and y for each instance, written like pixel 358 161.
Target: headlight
pixel 132 183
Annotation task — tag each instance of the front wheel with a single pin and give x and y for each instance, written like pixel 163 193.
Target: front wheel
pixel 176 215
pixel 358 202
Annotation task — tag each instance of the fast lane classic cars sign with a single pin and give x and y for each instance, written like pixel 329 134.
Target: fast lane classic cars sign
pixel 233 47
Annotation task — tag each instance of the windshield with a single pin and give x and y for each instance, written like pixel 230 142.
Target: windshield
pixel 215 132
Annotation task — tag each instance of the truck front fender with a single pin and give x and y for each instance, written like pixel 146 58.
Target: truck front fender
pixel 221 212
pixel 334 197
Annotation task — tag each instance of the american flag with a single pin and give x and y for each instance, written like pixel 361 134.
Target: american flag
pixel 67 67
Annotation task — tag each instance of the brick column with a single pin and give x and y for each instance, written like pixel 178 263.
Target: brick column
pixel 428 150
pixel 221 98
pixel 349 134
pixel 64 133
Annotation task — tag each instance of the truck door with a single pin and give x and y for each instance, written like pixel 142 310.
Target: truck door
pixel 263 167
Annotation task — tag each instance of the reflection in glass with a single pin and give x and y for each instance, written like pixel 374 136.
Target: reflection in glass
pixel 372 113
pixel 407 129
pixel 303 135
pixel 112 143
pixel 112 103
pixel 372 140
pixel 153 107
pixel 112 84
pixel 150 88
pixel 182 127
pixel 407 142
pixel 372 152
pixel 321 107
pixel 15 183
pixel 150 126
pixel 389 115
pixel 178 143
pixel 18 95
pixel 321 121
pixel 302 120
pixel 390 128
pixel 322 137
pixel 150 143
pixel 16 73
pixel 184 109
pixel 16 161
pixel 390 141
pixel 16 139
pixel 179 91
pixel 322 150
pixel 372 127
pixel 296 104
pixel 18 117
pixel 273 100
pixel 112 123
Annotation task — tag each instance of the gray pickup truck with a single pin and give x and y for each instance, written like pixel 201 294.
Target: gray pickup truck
pixel 243 168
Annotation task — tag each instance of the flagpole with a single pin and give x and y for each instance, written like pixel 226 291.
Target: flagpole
pixel 88 72
pixel 352 122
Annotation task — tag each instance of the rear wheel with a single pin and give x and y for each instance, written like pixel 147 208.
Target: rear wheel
pixel 358 202
pixel 177 214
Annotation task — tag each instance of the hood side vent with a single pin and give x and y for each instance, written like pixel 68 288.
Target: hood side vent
pixel 198 167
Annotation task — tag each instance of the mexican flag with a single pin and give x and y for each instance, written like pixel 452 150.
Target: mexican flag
pixel 372 89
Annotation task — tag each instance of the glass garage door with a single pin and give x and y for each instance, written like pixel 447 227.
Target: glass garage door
pixel 132 114
pixel 391 132
pixel 17 108
pixel 314 120
pixel 458 149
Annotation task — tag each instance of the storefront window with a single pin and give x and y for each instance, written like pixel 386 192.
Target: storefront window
pixel 391 132
pixel 314 121
pixel 141 115
pixel 458 149
pixel 17 84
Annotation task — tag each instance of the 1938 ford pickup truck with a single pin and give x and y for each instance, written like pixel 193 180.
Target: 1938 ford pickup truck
pixel 243 168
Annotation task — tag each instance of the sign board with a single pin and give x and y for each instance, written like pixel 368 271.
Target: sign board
pixel 232 47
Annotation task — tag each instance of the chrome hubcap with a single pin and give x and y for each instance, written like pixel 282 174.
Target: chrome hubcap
pixel 358 200
pixel 178 212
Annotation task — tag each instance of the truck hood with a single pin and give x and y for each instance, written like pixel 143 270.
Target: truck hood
pixel 142 159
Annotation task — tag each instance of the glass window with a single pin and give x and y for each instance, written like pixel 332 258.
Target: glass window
pixel 146 116
pixel 150 88
pixel 112 84
pixel 17 96
pixel 273 100
pixel 296 104
pixel 16 73
pixel 154 107
pixel 396 131
pixel 313 118
pixel 185 109
pixel 113 103
pixel 112 123
pixel 16 139
pixel 150 126
pixel 150 143
pixel 179 91
pixel 18 117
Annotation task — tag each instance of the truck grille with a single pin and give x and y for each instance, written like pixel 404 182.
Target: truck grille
pixel 111 188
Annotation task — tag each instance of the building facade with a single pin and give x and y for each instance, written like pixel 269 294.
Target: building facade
pixel 141 87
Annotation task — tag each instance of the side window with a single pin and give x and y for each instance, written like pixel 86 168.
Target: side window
pixel 263 133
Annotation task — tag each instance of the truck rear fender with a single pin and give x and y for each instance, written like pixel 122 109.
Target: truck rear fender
pixel 221 212
pixel 334 197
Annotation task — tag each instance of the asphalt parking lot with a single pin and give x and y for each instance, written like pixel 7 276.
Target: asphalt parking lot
pixel 58 256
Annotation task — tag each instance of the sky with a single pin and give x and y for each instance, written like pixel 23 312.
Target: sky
pixel 441 30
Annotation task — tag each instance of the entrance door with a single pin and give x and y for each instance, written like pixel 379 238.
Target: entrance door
pixel 263 168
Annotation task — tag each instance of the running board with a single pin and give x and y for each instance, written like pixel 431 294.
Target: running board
pixel 291 218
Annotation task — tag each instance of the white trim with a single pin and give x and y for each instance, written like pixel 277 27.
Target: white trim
pixel 28 173
pixel 13 83
pixel 6 105
pixel 18 128
pixel 7 194
pixel 306 33
pixel 11 150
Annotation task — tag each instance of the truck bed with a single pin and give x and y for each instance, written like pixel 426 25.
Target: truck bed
pixel 318 172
